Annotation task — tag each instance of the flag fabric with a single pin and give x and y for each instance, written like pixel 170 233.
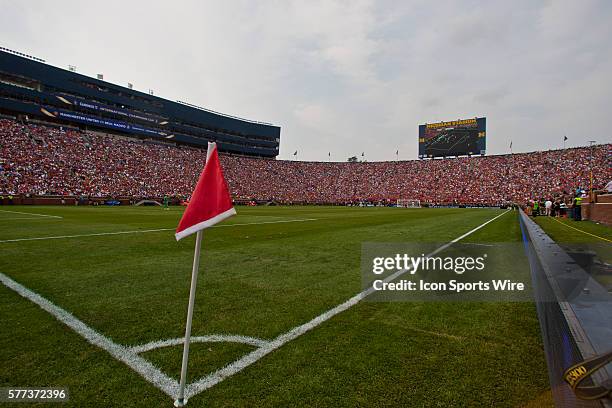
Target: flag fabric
pixel 362 154
pixel 295 154
pixel 396 152
pixel 210 202
pixel 511 144
pixel 564 138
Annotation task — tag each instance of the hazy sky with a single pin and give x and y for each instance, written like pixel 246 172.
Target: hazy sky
pixel 348 76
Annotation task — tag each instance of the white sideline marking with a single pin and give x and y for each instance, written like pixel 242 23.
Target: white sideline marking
pixel 28 218
pixel 240 364
pixel 151 230
pixel 211 338
pixel 129 355
pixel 85 235
pixel 28 213
pixel 121 353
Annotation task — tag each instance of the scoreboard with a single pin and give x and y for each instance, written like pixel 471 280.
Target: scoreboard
pixel 453 138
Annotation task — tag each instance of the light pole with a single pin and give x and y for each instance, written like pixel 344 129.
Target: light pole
pixel 591 142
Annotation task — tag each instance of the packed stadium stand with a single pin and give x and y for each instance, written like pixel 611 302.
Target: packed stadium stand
pixel 46 160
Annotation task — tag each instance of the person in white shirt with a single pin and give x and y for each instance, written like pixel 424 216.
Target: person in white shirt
pixel 548 207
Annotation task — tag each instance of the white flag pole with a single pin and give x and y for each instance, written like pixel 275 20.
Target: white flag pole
pixel 180 400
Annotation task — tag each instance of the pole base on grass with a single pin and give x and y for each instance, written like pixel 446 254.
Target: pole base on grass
pixel 180 402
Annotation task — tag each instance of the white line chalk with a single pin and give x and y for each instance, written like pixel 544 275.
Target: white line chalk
pixel 30 218
pixel 28 213
pixel 211 338
pixel 86 235
pixel 147 231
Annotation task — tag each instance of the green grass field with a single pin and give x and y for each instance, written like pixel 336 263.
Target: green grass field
pixel 274 269
pixel 564 230
pixel 587 235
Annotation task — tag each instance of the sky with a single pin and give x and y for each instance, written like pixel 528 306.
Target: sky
pixel 347 77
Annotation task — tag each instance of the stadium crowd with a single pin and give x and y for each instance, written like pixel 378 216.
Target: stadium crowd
pixel 41 160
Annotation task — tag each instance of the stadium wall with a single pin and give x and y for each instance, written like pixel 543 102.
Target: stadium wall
pixel 600 210
pixel 575 322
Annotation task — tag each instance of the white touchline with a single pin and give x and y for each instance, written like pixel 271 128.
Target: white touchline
pixel 129 355
pixel 30 218
pixel 85 235
pixel 28 213
pixel 150 230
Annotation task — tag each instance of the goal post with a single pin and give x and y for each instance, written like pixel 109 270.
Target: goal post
pixel 408 203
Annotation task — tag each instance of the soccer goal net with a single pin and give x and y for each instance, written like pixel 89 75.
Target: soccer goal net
pixel 408 203
pixel 148 202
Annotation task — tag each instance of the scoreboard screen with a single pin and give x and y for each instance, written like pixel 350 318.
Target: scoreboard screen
pixel 453 138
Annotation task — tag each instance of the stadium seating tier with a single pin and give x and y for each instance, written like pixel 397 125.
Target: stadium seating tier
pixel 41 160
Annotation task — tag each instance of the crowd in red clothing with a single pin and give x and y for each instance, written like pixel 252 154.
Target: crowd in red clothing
pixel 41 160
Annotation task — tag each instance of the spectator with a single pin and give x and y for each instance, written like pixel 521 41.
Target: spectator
pixel 43 160
pixel 577 207
pixel 548 207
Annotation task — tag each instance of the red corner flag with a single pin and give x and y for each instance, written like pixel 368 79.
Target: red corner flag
pixel 210 202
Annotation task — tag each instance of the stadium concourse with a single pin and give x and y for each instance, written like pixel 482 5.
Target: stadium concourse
pixel 41 160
